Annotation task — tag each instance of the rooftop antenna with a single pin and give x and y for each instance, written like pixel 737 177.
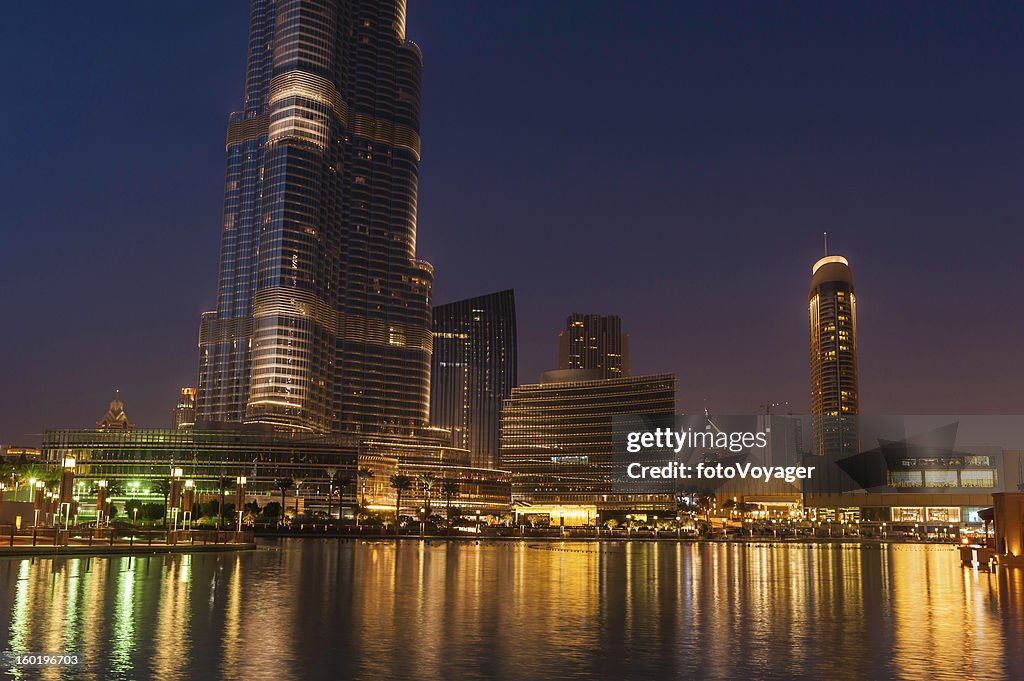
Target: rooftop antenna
pixel 826 242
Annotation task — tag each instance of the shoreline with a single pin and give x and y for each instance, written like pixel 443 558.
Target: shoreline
pixel 118 550
pixel 143 550
pixel 810 541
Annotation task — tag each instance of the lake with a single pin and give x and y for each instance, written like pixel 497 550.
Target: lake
pixel 331 609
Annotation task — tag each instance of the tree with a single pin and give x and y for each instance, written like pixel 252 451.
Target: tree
pixel 212 508
pixel 272 510
pixel 450 490
pixel 133 507
pixel 338 482
pixel 152 511
pixel 701 501
pixel 401 483
pixel 364 475
pixel 283 485
pixel 428 481
pixel 222 483
pixel 163 486
pixel 298 483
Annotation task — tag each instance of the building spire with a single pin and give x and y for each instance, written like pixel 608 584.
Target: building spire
pixel 826 242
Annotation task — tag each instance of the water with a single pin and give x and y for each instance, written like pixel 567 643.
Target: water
pixel 323 609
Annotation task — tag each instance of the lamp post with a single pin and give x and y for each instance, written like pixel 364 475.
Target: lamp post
pixel 239 501
pixel 186 506
pixel 422 516
pixel 175 496
pixel 101 500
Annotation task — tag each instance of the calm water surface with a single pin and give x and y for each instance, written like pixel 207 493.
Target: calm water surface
pixel 323 609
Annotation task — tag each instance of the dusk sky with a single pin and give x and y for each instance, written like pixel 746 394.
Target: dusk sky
pixel 672 163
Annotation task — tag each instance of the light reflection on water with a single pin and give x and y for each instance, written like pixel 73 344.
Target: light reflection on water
pixel 322 609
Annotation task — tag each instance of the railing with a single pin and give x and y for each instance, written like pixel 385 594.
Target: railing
pixel 118 536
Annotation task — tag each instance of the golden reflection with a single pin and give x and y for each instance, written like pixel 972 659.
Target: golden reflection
pixel 451 610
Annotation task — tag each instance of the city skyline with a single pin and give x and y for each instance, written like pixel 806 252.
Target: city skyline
pixel 71 357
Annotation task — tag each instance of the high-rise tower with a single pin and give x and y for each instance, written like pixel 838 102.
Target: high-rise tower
pixel 594 342
pixel 474 369
pixel 835 400
pixel 323 311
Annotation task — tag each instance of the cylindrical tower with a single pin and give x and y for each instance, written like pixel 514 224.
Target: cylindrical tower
pixel 835 400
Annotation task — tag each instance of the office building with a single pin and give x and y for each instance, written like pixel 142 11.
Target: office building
pixel 473 370
pixel 557 441
pixel 184 415
pixel 115 419
pixel 594 342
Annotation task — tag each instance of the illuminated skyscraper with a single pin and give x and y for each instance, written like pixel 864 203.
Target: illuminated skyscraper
pixel 184 416
pixel 473 370
pixel 115 418
pixel 323 311
pixel 835 400
pixel 594 342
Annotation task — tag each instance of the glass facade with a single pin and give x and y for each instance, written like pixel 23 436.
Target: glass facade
pixel 323 311
pixel 594 342
pixel 835 399
pixel 557 438
pixel 134 462
pixel 473 371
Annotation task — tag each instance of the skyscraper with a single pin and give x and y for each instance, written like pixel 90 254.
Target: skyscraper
pixel 473 370
pixel 835 401
pixel 323 311
pixel 115 419
pixel 184 415
pixel 594 342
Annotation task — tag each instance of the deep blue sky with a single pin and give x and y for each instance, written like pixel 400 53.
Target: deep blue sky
pixel 674 163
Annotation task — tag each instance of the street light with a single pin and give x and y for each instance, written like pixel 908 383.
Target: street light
pixel 37 503
pixel 101 500
pixel 175 496
pixel 190 494
pixel 240 500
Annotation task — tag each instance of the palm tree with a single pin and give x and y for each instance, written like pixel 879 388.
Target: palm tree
pixel 363 474
pixel 450 490
pixel 298 483
pixel 428 482
pixel 339 481
pixel 401 483
pixel 223 484
pixel 702 501
pixel 284 484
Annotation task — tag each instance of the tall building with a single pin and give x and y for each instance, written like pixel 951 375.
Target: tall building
pixel 594 342
pixel 184 416
pixel 835 402
pixel 323 310
pixel 473 370
pixel 115 419
pixel 557 441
